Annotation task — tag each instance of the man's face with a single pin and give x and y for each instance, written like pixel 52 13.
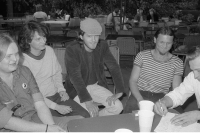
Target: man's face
pixel 90 41
pixel 195 67
pixel 11 59
pixel 163 43
pixel 38 43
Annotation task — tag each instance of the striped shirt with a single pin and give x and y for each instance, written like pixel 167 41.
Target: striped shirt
pixel 157 76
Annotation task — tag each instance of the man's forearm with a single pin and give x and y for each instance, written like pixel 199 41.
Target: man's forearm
pixel 167 101
pixel 44 113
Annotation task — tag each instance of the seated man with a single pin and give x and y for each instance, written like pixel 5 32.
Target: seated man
pixel 179 95
pixel 22 107
pixel 154 71
pixel 43 63
pixel 39 15
pixel 86 81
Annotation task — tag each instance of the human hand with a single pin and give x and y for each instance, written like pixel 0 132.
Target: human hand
pixel 92 108
pixel 64 96
pixel 63 109
pixel 160 108
pixel 185 119
pixel 113 98
pixel 55 128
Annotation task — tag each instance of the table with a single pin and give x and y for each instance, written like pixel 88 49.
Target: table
pixel 13 22
pixel 110 123
pixel 55 22
pixel 111 38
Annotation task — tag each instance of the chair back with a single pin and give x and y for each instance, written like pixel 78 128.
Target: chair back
pixel 127 45
pixel 170 23
pixel 125 32
pixel 190 41
pixel 40 19
pixel 72 33
pixel 143 24
pixel 182 30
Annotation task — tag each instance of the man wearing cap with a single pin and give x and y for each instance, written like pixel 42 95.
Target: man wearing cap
pixel 86 82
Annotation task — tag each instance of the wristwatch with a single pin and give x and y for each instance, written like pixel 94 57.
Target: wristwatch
pixel 198 120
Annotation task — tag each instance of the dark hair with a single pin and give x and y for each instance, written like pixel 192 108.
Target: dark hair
pixel 39 8
pixel 27 32
pixel 164 31
pixel 5 41
pixel 193 52
pixel 116 10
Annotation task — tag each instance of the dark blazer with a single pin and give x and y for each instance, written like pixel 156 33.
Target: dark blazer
pixel 78 69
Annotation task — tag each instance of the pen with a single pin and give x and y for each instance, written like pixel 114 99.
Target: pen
pixel 161 106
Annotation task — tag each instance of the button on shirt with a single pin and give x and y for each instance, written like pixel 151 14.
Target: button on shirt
pixel 25 92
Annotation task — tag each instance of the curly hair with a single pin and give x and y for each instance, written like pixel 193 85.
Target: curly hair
pixel 27 32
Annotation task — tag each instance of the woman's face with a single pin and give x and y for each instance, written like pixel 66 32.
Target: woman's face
pixel 11 59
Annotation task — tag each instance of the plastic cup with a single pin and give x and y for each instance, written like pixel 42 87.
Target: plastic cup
pixel 123 130
pixel 146 105
pixel 145 120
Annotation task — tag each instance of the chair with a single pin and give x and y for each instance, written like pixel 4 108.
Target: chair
pixel 143 24
pixel 40 19
pixel 170 23
pixel 125 32
pixel 138 31
pixel 127 47
pixel 161 24
pixel 72 33
pixel 181 33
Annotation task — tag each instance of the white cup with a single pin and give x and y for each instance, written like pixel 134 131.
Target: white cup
pixel 123 130
pixel 146 105
pixel 145 120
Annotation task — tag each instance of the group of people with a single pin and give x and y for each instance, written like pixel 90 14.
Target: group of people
pixel 33 97
pixel 113 19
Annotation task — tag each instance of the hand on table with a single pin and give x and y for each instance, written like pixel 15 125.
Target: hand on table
pixel 63 109
pixel 160 108
pixel 186 119
pixel 92 108
pixel 64 96
pixel 113 98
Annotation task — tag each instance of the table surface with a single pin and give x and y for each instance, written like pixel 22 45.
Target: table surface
pixel 55 22
pixel 59 39
pixel 12 20
pixel 115 36
pixel 110 123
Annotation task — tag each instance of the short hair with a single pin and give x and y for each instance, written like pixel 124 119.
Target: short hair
pixel 5 41
pixel 116 10
pixel 164 31
pixel 39 8
pixel 27 32
pixel 193 53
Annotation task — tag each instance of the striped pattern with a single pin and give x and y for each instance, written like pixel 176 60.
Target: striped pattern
pixel 157 76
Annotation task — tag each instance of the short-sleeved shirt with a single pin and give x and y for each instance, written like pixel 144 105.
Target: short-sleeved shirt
pixel 157 76
pixel 25 92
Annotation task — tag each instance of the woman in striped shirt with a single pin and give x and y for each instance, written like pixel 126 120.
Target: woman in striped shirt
pixel 154 71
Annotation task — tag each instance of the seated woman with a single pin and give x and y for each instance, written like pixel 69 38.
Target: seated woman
pixel 22 106
pixel 43 63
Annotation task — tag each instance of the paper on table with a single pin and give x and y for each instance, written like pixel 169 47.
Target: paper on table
pixel 166 126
